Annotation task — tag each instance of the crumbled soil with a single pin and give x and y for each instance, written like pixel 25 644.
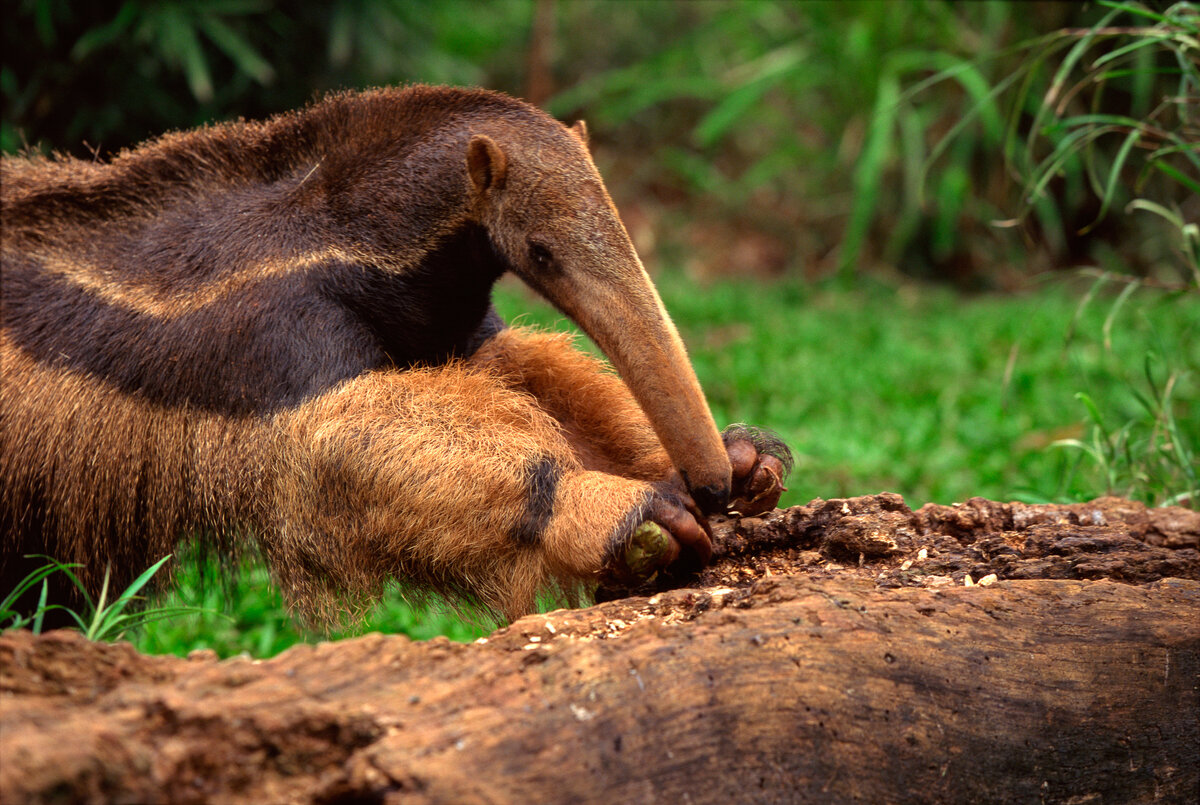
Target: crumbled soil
pixel 846 650
pixel 878 538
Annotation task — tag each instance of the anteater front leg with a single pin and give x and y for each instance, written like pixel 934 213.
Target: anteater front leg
pixel 608 429
pixel 451 479
pixel 598 415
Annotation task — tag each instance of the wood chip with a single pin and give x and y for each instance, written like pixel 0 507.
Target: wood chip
pixel 581 713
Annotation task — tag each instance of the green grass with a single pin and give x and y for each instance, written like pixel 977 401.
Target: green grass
pixel 915 389
pixel 246 614
pixel 920 390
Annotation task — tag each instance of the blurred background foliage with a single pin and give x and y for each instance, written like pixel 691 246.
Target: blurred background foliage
pixel 945 248
pixel 740 137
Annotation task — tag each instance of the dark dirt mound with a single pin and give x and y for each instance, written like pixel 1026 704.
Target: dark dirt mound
pixel 832 652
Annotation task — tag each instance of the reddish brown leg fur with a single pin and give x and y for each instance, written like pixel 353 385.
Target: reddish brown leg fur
pixel 445 476
pixel 526 467
pixel 593 405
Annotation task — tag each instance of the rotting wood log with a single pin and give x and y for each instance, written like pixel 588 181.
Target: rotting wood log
pixel 831 653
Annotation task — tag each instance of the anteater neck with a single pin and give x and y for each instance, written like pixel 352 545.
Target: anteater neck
pixel 430 312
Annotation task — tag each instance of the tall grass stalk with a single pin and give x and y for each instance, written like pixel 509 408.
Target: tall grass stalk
pixel 1133 58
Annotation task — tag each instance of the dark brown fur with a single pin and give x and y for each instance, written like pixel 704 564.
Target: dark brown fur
pixel 281 331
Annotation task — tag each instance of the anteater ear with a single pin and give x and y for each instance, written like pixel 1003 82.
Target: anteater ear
pixel 580 131
pixel 486 163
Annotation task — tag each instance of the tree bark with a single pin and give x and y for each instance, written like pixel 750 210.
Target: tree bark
pixel 831 653
pixel 539 77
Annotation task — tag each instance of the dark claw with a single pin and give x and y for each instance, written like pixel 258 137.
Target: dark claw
pixel 683 520
pixel 760 462
pixel 762 489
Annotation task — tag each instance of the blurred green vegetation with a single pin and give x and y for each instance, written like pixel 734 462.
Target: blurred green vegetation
pixel 740 137
pixel 243 612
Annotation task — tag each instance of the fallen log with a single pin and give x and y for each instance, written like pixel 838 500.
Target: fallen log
pixel 832 653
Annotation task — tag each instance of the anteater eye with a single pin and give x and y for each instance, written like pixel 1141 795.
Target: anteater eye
pixel 540 255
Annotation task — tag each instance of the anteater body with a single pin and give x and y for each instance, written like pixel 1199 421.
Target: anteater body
pixel 282 331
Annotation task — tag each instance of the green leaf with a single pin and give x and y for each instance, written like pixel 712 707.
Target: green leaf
pixel 1147 41
pixel 1191 184
pixel 41 608
pixel 44 22
pixel 1074 54
pixel 23 586
pixel 67 570
pixel 239 51
pixel 952 193
pixel 181 45
pixel 341 34
pixel 1133 8
pixel 145 577
pixel 1093 412
pixel 97 38
pixel 1151 206
pixel 1148 370
pixel 767 72
pixel 967 119
pixel 80 623
pixel 96 625
pixel 1126 292
pixel 1083 447
pixel 1065 150
pixel 1114 176
pixel 868 172
pixel 107 619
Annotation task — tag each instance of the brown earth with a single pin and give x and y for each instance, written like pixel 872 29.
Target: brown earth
pixel 832 652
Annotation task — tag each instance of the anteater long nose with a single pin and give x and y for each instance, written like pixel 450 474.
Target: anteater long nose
pixel 626 318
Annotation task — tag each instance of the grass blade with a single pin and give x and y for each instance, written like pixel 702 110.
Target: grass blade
pixel 23 586
pixel 1146 41
pixel 1150 206
pixel 867 174
pixel 41 608
pixel 97 619
pixel 1114 175
pixel 106 620
pixel 145 577
pixel 1074 54
pixel 1191 184
pixel 1126 292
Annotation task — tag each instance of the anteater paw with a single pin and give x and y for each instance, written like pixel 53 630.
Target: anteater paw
pixel 673 537
pixel 760 463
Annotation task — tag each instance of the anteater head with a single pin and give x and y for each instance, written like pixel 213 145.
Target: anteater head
pixel 540 197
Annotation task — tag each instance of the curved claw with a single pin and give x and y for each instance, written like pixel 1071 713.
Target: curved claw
pixel 760 461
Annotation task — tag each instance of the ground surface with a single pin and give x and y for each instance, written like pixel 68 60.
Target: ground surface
pixel 831 652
